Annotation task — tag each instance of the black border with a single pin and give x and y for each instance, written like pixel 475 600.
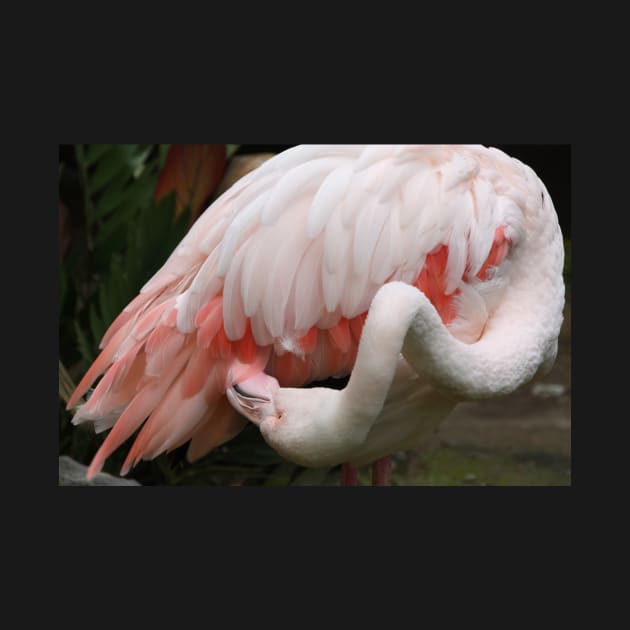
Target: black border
pixel 278 521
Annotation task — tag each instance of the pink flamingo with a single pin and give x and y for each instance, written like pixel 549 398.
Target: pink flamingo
pixel 429 274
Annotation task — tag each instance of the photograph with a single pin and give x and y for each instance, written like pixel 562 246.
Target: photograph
pixel 314 315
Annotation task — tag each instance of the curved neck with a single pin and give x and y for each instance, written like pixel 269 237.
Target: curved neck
pixel 390 315
pixel 519 339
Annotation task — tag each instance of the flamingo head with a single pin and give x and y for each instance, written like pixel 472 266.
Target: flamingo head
pixel 301 424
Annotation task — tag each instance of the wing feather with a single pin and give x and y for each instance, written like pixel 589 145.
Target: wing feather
pixel 294 252
pixel 298 181
pixel 387 249
pixel 243 224
pixel 311 234
pixel 282 269
pixel 459 204
pixel 366 233
pixel 373 154
pixel 328 198
pixel 308 305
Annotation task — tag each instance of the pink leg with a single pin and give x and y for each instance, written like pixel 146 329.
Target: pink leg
pixel 349 475
pixel 381 471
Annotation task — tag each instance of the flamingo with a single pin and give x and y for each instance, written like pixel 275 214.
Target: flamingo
pixel 429 274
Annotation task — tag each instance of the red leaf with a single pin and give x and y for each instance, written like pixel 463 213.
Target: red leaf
pixel 193 171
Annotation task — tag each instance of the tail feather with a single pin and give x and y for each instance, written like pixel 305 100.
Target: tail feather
pixel 184 437
pixel 147 323
pixel 106 410
pixel 136 412
pixel 114 381
pixel 102 362
pixel 179 417
pixel 173 417
pixel 137 306
pixel 163 344
pixel 220 427
pixel 196 374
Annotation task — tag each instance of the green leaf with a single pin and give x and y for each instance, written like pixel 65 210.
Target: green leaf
pixel 113 196
pixel 138 162
pixel 119 283
pixel 104 303
pixel 115 220
pixel 96 325
pixel 126 152
pixel 94 151
pixel 231 149
pixel 139 194
pixel 85 348
pixel 106 169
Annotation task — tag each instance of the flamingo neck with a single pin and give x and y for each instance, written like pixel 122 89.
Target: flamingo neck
pixel 520 337
pixel 390 315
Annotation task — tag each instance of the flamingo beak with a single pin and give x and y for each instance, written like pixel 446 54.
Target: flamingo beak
pixel 253 398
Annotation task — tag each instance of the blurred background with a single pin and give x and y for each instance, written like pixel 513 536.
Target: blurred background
pixel 123 209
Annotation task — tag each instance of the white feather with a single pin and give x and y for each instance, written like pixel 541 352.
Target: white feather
pixel 204 287
pixel 358 294
pixel 373 154
pixel 353 203
pixel 395 183
pixel 243 223
pixel 337 244
pixel 252 285
pixel 383 263
pixel 234 320
pixel 333 286
pixel 366 232
pixel 308 287
pixel 279 272
pixel 459 170
pixel 327 199
pixel 297 182
pixel 262 336
pixel 214 235
pixel 419 192
pixel 481 233
pixel 460 208
pixel 305 153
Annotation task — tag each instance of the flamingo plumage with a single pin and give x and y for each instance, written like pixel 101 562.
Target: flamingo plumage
pixel 429 274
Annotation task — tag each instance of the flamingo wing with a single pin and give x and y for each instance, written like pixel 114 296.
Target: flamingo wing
pixel 279 272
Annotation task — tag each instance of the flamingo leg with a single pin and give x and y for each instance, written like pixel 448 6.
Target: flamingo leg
pixel 349 475
pixel 381 471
